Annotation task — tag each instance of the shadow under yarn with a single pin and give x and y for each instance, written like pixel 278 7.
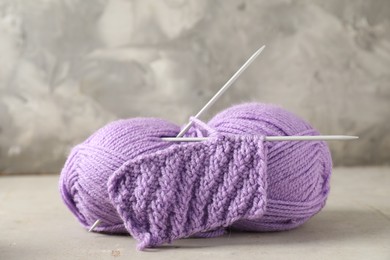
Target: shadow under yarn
pixel 331 225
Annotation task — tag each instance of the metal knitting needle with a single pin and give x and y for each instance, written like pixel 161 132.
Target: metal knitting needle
pixel 223 89
pixel 97 222
pixel 266 138
pixel 211 101
pixel 272 138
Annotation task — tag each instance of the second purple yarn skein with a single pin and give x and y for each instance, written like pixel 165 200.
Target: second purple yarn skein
pixel 297 173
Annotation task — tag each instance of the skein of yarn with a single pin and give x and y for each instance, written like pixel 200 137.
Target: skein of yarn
pixel 157 191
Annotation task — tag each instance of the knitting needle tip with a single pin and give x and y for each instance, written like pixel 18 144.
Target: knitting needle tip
pixel 223 89
pixel 97 222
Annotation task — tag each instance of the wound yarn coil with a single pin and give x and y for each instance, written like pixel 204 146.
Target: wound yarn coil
pixel 158 191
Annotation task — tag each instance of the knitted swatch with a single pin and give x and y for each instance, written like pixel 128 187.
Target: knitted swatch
pixel 191 188
pixel 158 191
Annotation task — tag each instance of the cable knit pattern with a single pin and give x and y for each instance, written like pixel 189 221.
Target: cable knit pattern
pixel 191 188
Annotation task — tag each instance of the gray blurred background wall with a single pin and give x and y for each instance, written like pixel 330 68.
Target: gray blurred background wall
pixel 70 66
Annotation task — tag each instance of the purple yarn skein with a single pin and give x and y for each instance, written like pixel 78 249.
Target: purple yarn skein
pixel 157 191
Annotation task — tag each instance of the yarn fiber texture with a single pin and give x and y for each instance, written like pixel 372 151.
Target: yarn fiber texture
pixel 159 191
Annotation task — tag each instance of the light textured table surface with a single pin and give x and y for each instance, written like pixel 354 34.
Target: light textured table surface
pixel 355 224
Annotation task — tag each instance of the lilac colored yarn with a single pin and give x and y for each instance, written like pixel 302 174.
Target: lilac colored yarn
pixel 157 191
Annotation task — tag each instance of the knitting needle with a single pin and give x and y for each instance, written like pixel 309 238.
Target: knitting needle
pixel 211 102
pixel 272 138
pixel 223 89
pixel 266 138
pixel 97 222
